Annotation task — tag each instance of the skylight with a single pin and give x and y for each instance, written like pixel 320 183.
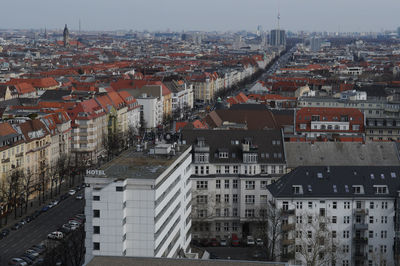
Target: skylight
pixel 372 176
pixel 382 176
pixel 309 188
pixel 319 175
pixel 346 188
pixel 393 174
pixel 334 188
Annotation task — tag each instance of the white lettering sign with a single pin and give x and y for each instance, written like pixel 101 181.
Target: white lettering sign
pixel 95 172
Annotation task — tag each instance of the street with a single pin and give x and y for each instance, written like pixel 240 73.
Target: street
pixel 36 231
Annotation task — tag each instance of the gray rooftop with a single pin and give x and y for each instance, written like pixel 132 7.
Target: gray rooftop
pixel 341 153
pixel 337 181
pixel 106 261
pixel 134 164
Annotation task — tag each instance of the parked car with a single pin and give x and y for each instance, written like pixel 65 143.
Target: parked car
pixel 223 243
pixel 39 248
pixel 80 216
pixel 36 214
pixel 71 192
pixel 16 226
pixel 5 232
pixel 74 224
pixel 54 202
pixel 79 197
pixel 28 255
pixel 17 261
pixel 32 252
pixel 27 260
pixel 259 242
pixel 55 235
pixel 45 208
pixel 250 241
pixel 214 242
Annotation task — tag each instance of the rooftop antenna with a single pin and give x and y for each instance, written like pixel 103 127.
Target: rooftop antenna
pixel 279 16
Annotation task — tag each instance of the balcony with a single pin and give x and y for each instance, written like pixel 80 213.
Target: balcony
pixel 288 227
pixel 361 212
pixel 361 226
pixel 5 160
pixel 19 154
pixel 361 240
pixel 288 212
pixel 287 242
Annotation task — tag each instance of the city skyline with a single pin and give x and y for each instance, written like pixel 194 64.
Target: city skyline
pixel 223 15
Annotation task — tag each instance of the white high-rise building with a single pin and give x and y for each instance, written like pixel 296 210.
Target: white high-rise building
pixel 139 204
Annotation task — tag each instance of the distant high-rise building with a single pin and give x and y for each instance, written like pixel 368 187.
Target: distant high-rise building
pixel 66 36
pixel 398 31
pixel 259 30
pixel 315 44
pixel 277 38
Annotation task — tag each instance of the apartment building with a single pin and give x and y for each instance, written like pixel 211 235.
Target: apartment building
pixel 139 204
pixel 231 170
pixel 338 215
pixel 382 129
pixel 182 96
pixel 371 108
pixel 313 122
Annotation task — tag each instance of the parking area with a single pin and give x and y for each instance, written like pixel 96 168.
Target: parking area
pixel 36 231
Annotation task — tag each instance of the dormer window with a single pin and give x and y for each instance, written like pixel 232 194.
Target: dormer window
pixel 381 190
pixel 297 189
pixel 358 189
pixel 223 155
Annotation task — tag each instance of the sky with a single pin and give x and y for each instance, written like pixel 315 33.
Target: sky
pixel 207 15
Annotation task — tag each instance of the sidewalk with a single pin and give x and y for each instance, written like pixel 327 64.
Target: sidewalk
pixel 33 205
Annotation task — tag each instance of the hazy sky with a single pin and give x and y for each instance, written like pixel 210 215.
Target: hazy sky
pixel 311 15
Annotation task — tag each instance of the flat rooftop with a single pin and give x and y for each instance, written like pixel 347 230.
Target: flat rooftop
pixel 127 261
pixel 142 164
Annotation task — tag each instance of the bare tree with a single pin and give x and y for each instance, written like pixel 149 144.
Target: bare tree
pixel 315 244
pixel 27 186
pixel 63 170
pixel 113 143
pixel 12 189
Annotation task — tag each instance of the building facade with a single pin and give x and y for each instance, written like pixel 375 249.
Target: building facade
pixel 140 205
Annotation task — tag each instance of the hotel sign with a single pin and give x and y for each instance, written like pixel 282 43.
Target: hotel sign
pixel 95 172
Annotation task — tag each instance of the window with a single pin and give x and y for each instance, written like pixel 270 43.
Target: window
pixel 384 219
pixel 381 190
pixel 235 226
pixel 299 219
pixel 346 219
pixel 309 219
pixel 371 234
pixel 334 234
pixel 227 170
pixel 383 234
pixel 201 199
pixel 249 213
pixel 371 219
pixel 334 205
pixel 202 213
pixel 346 205
pixel 218 227
pixel 346 263
pixel 202 184
pixel 96 198
pixel 96 213
pixel 310 204
pixel 96 246
pixel 218 198
pixel 235 184
pixel 299 205
pixel 346 249
pixel 96 229
pixel 250 184
pixel 383 248
pixel 223 155
pixel 217 183
pixel 346 234
pixel 226 212
pixel 334 219
pixel 235 212
pixel 263 199
pixel 384 205
pixel 297 189
pixel 119 189
pixel 218 169
pixel 226 226
pixel 235 169
pixel 263 184
pixel 235 198
pixel 309 234
pixel 226 183
pixel 226 198
pixel 250 199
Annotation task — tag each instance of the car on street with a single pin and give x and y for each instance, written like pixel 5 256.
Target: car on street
pixel 27 259
pixel 71 192
pixel 32 252
pixel 250 241
pixel 55 235
pixel 223 243
pixel 80 216
pixel 45 208
pixel 39 248
pixel 214 242
pixel 74 224
pixel 79 197
pixel 17 261
pixel 16 226
pixel 259 242
pixel 235 241
pixel 5 232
